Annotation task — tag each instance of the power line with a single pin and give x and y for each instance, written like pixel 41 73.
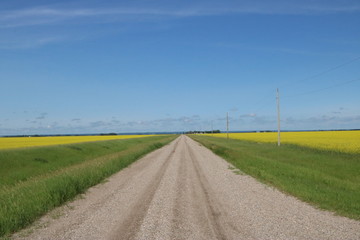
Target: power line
pixel 325 71
pixel 264 101
pixel 322 89
pixel 267 97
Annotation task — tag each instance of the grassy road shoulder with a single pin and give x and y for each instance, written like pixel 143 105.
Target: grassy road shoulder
pixel 329 180
pixel 33 181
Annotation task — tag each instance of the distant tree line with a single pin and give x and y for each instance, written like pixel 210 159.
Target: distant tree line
pixel 201 132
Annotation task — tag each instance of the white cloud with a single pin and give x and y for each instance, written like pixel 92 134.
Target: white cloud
pixel 56 15
pixel 185 123
pixel 323 122
pixel 45 16
pixel 249 115
pixel 29 42
pixel 71 22
pixel 42 116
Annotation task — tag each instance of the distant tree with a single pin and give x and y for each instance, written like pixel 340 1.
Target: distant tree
pixel 199 132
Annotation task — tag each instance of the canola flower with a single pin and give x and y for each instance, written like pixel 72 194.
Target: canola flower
pixel 21 142
pixel 342 141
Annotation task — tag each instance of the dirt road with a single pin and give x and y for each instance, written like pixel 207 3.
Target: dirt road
pixel 184 191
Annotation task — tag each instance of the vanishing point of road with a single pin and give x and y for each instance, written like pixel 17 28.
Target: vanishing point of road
pixel 184 191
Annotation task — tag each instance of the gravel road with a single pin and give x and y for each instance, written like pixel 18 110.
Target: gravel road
pixel 184 191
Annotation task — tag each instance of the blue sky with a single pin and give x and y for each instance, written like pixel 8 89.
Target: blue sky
pixel 127 66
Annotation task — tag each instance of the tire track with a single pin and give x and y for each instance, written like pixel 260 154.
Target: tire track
pixel 196 210
pixel 184 191
pixel 211 204
pixel 131 225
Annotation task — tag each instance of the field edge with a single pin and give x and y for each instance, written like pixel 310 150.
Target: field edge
pixel 330 199
pixel 22 204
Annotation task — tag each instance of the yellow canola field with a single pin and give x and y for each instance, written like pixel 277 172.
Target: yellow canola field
pixel 21 142
pixel 343 141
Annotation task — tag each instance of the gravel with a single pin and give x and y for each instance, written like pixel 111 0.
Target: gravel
pixel 184 191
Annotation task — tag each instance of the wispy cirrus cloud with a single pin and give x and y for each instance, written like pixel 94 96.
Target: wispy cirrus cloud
pixel 37 25
pixel 272 49
pixel 30 42
pixel 46 15
pixel 42 15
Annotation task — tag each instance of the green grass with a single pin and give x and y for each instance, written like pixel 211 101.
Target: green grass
pixel 326 179
pixel 35 180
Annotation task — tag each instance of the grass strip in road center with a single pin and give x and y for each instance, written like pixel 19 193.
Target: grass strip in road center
pixel 326 179
pixel 35 180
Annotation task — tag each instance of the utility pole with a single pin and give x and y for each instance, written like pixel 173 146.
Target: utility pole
pixel 227 125
pixel 278 114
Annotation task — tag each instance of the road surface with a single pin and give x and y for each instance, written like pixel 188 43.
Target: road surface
pixel 184 191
